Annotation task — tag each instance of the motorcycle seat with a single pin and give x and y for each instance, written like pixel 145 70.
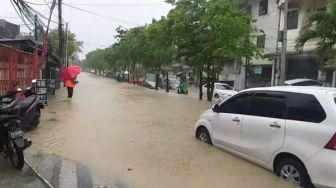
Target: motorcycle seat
pixel 4 118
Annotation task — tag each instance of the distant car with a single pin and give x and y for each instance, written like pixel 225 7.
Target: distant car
pixel 221 91
pixel 303 82
pixel 289 130
pixel 136 80
pixel 148 84
pixel 173 83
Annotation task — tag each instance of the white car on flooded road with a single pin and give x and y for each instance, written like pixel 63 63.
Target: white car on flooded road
pixel 289 130
pixel 221 91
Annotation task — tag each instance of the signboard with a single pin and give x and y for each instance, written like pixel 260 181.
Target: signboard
pixel 322 75
pixel 42 90
pixel 257 70
pixel 51 86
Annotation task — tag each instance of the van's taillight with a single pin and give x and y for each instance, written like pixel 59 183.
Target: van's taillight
pixel 332 143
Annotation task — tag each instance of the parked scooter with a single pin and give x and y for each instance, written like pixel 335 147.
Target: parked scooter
pixel 12 143
pixel 182 88
pixel 26 104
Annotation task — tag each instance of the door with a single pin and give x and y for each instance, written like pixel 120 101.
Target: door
pixel 263 132
pixel 227 123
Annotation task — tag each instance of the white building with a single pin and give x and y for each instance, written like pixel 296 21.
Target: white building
pixel 269 19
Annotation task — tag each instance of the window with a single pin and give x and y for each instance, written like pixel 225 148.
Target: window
pixel 223 87
pixel 269 104
pixel 249 10
pixel 261 41
pixel 323 9
pixel 304 107
pixel 228 87
pixel 263 7
pixel 238 105
pixel 293 19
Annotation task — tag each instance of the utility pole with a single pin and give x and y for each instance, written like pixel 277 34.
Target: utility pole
pixel 36 28
pixel 284 46
pixel 66 44
pixel 276 64
pixel 61 34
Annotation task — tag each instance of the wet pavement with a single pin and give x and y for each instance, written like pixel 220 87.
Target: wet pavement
pixel 10 178
pixel 119 135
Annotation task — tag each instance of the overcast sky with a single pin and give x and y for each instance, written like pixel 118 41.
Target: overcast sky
pixel 94 31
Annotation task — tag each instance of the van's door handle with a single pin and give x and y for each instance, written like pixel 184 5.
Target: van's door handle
pixel 275 126
pixel 236 120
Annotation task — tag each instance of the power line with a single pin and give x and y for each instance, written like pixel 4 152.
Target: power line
pixel 100 15
pixel 19 13
pixel 48 5
pixel 35 3
pixel 119 4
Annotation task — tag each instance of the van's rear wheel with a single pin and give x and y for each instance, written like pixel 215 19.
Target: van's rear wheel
pixel 293 171
pixel 203 135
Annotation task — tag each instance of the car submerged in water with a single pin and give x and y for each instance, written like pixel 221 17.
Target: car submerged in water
pixel 289 130
pixel 221 91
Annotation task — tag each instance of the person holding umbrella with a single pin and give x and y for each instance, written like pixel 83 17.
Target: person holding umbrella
pixel 69 76
pixel 70 84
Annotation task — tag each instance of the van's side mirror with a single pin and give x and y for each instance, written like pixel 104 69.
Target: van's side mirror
pixel 215 108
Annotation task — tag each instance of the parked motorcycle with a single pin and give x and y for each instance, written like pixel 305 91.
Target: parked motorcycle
pixel 12 143
pixel 26 104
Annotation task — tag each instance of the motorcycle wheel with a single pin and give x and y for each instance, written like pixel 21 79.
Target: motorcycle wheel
pixel 15 155
pixel 37 119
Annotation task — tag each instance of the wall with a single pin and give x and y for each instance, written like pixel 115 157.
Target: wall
pixel 8 30
pixel 268 24
pixel 304 7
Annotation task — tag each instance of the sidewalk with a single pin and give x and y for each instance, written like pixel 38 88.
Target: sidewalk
pixel 10 177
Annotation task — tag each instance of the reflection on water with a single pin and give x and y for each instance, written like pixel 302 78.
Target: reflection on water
pixel 134 137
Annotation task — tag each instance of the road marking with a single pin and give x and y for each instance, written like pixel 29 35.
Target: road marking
pixel 68 175
pixel 43 179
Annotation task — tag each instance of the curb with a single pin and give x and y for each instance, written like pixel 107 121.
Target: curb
pixel 44 180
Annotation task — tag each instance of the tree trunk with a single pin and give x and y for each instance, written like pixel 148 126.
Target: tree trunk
pixel 209 97
pixel 157 81
pixel 133 79
pixel 200 84
pixel 212 88
pixel 123 73
pixel 167 82
pixel 128 75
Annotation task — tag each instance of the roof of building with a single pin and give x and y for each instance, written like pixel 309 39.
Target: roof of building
pixel 17 40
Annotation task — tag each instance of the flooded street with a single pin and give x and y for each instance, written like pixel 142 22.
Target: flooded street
pixel 134 137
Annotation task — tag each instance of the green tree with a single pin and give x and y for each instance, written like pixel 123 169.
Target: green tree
pixel 74 46
pixel 96 60
pixel 207 33
pixel 320 27
pixel 160 50
pixel 133 45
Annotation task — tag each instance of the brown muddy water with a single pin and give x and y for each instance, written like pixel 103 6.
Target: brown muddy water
pixel 134 137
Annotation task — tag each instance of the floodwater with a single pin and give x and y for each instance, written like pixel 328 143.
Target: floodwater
pixel 134 137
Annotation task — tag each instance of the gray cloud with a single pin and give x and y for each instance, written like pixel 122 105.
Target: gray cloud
pixel 96 31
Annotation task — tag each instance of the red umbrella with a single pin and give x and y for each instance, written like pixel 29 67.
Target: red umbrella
pixel 71 72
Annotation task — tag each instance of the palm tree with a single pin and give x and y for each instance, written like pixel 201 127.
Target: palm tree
pixel 320 26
